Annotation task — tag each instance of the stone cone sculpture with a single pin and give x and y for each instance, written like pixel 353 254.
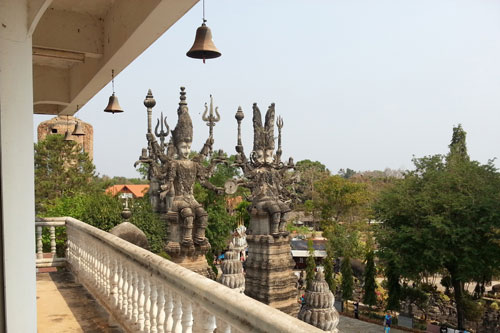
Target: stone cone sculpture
pixel 318 310
pixel 232 271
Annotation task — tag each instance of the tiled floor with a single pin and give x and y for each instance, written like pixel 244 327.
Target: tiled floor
pixel 65 306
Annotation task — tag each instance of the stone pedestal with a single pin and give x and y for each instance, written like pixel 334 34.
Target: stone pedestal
pixel 269 277
pixel 190 257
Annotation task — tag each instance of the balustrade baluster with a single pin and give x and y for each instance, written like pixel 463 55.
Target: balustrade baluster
pixel 109 276
pixel 125 291
pixel 222 326
pixel 154 305
pixel 203 321
pixel 169 308
pixel 137 277
pixel 39 244
pixel 187 316
pixel 130 294
pixel 141 301
pixel 120 284
pixel 52 241
pixel 147 303
pixel 176 313
pixel 160 318
pixel 114 282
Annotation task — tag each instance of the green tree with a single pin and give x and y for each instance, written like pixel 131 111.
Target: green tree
pixel 61 169
pixel 328 266
pixel 347 283
pixel 447 210
pixel 339 199
pixel 369 285
pixel 310 264
pixel 309 173
pixel 393 286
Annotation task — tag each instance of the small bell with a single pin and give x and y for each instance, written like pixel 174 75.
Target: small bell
pixel 78 129
pixel 67 136
pixel 203 46
pixel 113 105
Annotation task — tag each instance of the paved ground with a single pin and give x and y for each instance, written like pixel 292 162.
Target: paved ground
pixel 351 325
pixel 65 306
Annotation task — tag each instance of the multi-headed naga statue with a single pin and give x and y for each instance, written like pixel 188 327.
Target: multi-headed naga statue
pixel 173 174
pixel 265 173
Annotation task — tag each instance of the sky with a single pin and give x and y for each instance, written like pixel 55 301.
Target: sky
pixel 360 84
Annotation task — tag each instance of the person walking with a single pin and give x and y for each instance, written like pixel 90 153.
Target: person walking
pixel 387 322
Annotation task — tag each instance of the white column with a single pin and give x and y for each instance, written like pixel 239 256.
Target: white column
pixel 17 178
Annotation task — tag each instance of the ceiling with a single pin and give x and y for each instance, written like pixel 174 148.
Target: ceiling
pixel 77 43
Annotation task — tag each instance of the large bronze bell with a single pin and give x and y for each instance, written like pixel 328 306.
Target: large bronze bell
pixel 113 105
pixel 203 46
pixel 78 129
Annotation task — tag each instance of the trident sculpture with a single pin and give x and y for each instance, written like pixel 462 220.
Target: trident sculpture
pixel 211 119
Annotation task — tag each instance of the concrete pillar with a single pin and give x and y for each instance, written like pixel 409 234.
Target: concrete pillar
pixel 17 174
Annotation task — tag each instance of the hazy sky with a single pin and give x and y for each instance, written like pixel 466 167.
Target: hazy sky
pixel 361 84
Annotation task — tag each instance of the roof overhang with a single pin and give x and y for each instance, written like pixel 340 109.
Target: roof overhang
pixel 76 44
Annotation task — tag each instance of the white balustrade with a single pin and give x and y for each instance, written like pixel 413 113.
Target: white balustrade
pixel 53 261
pixel 146 293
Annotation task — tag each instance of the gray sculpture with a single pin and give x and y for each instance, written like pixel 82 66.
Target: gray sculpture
pixel 265 173
pixel 269 277
pixel 232 270
pixel 172 173
pixel 319 310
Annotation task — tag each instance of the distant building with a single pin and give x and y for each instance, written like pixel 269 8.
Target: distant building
pixel 128 191
pixel 61 124
pixel 300 251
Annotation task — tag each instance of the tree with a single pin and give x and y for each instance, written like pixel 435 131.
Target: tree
pixel 346 173
pixel 309 173
pixel 370 285
pixel 310 264
pixel 328 266
pixel 347 284
pixel 338 198
pixel 61 169
pixel 446 210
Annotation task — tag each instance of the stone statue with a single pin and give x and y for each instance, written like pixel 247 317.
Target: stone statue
pixel 319 310
pixel 232 270
pixel 265 173
pixel 269 277
pixel 173 173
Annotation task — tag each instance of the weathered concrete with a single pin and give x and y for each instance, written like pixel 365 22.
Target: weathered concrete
pixel 66 306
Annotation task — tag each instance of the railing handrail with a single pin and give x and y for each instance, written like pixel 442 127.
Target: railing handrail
pixel 241 311
pixel 50 224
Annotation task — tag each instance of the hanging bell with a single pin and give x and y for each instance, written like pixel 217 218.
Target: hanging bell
pixel 67 136
pixel 203 46
pixel 78 129
pixel 113 105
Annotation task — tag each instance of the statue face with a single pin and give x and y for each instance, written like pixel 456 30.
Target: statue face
pixel 183 150
pixel 268 156
pixel 263 156
pixel 258 156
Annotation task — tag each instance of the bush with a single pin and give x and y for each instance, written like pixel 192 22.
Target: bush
pixel 149 222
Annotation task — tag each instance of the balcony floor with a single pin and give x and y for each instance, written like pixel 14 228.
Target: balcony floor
pixel 66 306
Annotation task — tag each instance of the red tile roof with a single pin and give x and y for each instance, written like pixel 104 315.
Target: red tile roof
pixel 137 191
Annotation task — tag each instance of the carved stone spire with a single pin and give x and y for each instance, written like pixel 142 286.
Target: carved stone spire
pixel 232 270
pixel 318 310
pixel 183 132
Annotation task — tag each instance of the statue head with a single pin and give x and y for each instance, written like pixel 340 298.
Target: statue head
pixel 263 139
pixel 182 135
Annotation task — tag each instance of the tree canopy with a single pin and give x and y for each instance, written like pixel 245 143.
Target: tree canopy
pixel 61 169
pixel 447 211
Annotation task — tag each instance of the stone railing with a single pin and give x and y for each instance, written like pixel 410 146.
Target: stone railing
pixel 147 293
pixel 52 260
